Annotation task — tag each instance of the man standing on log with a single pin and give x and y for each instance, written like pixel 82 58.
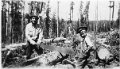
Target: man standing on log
pixel 34 35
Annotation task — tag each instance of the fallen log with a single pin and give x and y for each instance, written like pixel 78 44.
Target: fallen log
pixel 63 50
pixel 13 46
pixel 50 58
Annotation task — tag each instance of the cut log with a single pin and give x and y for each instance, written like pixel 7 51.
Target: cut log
pixel 103 53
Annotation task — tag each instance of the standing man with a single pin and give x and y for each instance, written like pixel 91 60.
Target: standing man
pixel 84 45
pixel 34 35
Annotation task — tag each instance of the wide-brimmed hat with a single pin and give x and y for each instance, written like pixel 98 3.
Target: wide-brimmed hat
pixel 36 17
pixel 81 28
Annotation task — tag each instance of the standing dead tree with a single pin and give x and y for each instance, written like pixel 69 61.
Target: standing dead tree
pixel 112 6
pixel 71 11
pixel 84 17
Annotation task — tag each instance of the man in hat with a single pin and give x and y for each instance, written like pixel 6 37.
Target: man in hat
pixel 83 45
pixel 34 35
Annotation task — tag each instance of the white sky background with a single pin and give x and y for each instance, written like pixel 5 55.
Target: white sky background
pixel 64 8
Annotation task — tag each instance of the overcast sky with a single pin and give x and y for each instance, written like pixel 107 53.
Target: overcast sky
pixel 103 9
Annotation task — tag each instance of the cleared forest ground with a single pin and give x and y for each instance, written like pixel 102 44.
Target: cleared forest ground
pixel 109 39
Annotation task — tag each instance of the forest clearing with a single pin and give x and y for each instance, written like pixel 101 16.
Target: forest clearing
pixel 59 42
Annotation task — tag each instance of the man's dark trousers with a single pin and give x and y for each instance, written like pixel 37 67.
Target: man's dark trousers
pixel 30 48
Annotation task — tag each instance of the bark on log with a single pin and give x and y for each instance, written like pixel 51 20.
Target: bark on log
pixel 13 46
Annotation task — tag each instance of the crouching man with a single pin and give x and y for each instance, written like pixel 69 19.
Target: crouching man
pixel 34 36
pixel 83 45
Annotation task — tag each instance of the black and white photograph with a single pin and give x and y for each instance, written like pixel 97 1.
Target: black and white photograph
pixel 60 34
